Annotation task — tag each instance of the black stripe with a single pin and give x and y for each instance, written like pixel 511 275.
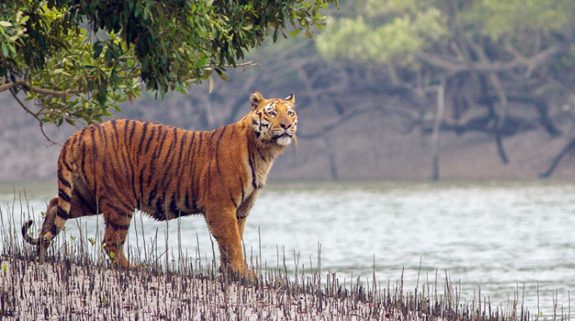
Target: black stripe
pixel 232 198
pixel 132 130
pixel 102 136
pixel 85 202
pixel 160 215
pixel 189 159
pixel 167 166
pixel 190 147
pixel 118 209
pixel 157 152
pixel 196 178
pixel 83 153
pixel 53 229
pixel 63 214
pixel 65 197
pixel 152 161
pixel 242 185
pixel 218 150
pixel 260 124
pixel 118 226
pixel 187 201
pixel 181 152
pixel 143 135
pixel 152 195
pixel 116 134
pixel 129 161
pixel 254 184
pixel 126 127
pixel 208 177
pixel 174 207
pixel 63 180
pixel 115 151
pixel 163 133
pixel 68 167
pixel 223 130
pixel 142 197
pixel 83 164
pixel 150 139
pixel 180 164
pixel 133 185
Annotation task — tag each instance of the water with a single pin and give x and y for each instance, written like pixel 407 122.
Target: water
pixel 491 235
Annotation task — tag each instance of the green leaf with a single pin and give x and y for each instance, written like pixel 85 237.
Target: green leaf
pixel 97 49
pixel 202 62
pixel 4 49
pixel 294 32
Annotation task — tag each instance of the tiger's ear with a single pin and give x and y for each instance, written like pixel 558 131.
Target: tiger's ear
pixel 256 98
pixel 291 99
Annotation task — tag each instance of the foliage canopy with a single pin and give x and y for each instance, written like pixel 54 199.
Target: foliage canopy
pixel 78 59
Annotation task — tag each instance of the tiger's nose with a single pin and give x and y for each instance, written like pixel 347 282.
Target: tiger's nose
pixel 285 125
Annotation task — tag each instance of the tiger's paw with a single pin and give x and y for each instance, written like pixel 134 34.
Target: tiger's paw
pixel 245 276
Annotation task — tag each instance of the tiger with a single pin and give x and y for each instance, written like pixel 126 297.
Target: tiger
pixel 120 166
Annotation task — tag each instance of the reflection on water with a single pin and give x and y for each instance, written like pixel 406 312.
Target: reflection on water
pixel 497 236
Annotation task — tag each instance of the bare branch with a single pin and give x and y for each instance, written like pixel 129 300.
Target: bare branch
pixel 334 124
pixel 457 66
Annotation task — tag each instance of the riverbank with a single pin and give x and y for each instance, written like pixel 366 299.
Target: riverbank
pixel 72 289
pixel 61 290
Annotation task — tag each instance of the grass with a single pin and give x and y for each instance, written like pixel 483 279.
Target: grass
pixel 77 282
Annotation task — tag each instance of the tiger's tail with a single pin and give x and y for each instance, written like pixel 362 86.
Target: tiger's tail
pixel 65 188
pixel 28 238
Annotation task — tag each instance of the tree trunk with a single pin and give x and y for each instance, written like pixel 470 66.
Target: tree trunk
pixel 558 158
pixel 437 127
pixel 332 158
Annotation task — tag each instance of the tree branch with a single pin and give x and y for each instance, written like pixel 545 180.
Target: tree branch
pixel 455 67
pixel 38 90
pixel 10 85
pixel 340 120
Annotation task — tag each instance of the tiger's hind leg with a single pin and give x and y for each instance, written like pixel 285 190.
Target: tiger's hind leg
pixel 82 204
pixel 117 218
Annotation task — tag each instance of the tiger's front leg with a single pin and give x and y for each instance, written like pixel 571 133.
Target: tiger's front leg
pixel 223 225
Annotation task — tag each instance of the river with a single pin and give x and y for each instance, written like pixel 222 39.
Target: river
pixel 496 236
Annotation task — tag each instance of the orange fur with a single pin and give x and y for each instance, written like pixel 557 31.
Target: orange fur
pixel 118 166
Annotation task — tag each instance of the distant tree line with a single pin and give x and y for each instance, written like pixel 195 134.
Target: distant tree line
pixel 497 67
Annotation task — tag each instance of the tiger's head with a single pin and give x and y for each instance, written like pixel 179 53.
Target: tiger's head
pixel 274 120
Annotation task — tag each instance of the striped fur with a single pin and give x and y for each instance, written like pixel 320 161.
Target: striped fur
pixel 118 166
